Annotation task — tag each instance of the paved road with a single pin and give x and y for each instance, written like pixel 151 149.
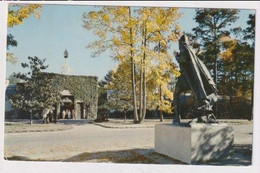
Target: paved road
pixel 243 134
pixel 89 138
pixel 83 138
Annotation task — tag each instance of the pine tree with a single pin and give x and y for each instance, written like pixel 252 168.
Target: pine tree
pixel 211 27
pixel 36 91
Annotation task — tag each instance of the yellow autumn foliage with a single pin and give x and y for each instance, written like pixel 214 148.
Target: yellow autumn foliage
pixel 16 17
pixel 93 15
pixel 228 45
pixel 132 34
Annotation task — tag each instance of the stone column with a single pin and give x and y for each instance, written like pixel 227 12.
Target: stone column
pixel 84 111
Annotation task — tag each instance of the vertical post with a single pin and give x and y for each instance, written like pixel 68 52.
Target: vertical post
pixel 75 109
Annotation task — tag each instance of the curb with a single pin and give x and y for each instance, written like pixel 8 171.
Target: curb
pixel 123 127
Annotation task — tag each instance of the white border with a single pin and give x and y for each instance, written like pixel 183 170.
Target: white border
pixel 43 167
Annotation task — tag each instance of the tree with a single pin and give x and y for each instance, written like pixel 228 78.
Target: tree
pixel 238 66
pixel 249 32
pixel 13 80
pixel 158 27
pixel 131 35
pixel 237 78
pixel 211 27
pixel 102 97
pixel 119 98
pixel 245 52
pixel 16 15
pixel 160 93
pixel 36 91
pixel 19 12
pixel 250 35
pixel 117 21
pixel 13 43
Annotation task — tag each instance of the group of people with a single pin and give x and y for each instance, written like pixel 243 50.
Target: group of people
pixel 68 114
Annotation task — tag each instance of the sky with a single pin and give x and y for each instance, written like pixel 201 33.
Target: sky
pixel 60 28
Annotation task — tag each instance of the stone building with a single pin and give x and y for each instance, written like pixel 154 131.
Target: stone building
pixel 78 93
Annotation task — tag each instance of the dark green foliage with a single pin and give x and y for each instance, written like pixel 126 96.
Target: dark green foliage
pixel 13 80
pixel 35 92
pixel 11 41
pixel 233 74
pixel 250 31
pixel 212 23
pixel 237 79
pixel 102 90
pixel 211 27
pixel 241 70
pixel 102 97
pixel 84 88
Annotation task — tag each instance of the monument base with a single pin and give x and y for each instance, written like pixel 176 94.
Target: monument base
pixel 199 143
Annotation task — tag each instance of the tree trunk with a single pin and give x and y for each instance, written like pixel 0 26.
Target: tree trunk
pixel 141 91
pixel 144 81
pixel 161 100
pixel 133 73
pixel 124 116
pixel 230 116
pixel 144 97
pixel 252 102
pixel 161 116
pixel 31 118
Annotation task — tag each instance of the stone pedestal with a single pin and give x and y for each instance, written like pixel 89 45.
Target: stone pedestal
pixel 199 143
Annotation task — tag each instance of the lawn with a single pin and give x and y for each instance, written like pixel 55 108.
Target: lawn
pixel 19 127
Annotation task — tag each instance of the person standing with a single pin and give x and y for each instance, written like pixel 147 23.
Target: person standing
pixel 69 114
pixel 63 114
pixel 66 113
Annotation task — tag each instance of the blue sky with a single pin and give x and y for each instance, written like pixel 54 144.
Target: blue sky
pixel 60 28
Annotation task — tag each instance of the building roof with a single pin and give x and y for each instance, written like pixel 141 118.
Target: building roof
pixel 69 75
pixel 65 93
pixel 10 90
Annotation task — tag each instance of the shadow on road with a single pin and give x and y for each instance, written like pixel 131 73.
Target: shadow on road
pixel 135 156
pixel 22 158
pixel 241 157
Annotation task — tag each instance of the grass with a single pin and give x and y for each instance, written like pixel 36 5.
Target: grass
pixel 16 127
